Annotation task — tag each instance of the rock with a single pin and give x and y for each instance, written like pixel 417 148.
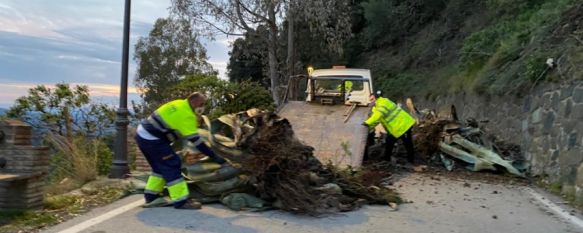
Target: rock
pixel 548 123
pixel 494 217
pixel 536 116
pixel 568 190
pixel 546 101
pixel 527 104
pixel 571 158
pixel 572 141
pixel 546 144
pixel 88 190
pixel 567 92
pixel 524 125
pixel 579 185
pixel 565 108
pixel 566 171
pixel 554 139
pixel 578 95
pixel 577 112
pixel 420 168
pixel 555 155
pixel 555 101
pixel 393 206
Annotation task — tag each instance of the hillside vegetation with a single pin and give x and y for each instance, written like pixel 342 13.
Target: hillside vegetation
pixel 489 47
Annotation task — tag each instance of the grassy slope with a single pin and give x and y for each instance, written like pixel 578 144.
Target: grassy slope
pixel 486 47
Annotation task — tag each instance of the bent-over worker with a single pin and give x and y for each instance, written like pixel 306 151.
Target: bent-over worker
pixel 172 121
pixel 397 123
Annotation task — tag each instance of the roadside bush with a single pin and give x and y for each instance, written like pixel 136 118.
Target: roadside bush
pixel 225 97
pixel 80 159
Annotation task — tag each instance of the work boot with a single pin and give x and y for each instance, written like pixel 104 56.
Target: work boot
pixel 150 197
pixel 190 205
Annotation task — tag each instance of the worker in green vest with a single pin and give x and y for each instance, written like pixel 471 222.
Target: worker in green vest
pixel 397 123
pixel 347 86
pixel 172 121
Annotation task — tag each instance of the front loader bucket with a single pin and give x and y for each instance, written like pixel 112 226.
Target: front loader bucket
pixel 323 127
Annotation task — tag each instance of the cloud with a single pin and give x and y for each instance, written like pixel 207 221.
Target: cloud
pixel 221 66
pixel 46 42
pixel 98 91
pixel 87 59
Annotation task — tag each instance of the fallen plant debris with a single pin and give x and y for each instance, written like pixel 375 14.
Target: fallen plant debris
pixel 446 140
pixel 271 168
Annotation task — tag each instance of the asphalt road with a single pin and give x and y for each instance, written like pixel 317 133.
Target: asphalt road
pixel 440 205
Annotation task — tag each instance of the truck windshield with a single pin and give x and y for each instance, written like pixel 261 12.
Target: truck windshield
pixel 331 85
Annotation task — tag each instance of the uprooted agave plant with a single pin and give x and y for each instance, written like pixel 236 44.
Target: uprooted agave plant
pixel 284 171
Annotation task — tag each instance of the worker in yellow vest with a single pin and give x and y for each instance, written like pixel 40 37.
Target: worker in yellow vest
pixel 347 86
pixel 397 123
pixel 172 121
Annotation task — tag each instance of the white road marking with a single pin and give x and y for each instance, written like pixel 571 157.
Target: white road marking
pixel 556 209
pixel 101 218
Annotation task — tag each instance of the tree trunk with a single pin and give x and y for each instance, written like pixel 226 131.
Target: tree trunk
pixel 272 58
pixel 290 42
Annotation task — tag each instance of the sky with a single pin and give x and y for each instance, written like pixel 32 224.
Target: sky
pixel 77 42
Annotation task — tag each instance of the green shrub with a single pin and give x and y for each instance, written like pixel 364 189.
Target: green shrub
pixel 225 97
pixel 534 67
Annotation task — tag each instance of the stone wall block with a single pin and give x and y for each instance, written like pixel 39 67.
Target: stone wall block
pixel 579 185
pixel 578 95
pixel 567 92
pixel 546 101
pixel 549 121
pixel 555 99
pixel 536 116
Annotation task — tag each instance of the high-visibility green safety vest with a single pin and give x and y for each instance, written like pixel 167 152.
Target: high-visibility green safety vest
pixel 391 116
pixel 176 119
pixel 347 86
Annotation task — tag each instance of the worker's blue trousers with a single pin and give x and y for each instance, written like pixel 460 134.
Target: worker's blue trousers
pixel 165 163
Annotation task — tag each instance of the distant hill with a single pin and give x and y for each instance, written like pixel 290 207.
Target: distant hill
pixel 2 111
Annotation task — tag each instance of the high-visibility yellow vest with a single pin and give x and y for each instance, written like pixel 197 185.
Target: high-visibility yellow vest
pixel 347 86
pixel 391 116
pixel 176 119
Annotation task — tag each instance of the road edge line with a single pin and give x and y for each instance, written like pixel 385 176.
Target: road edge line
pixel 555 208
pixel 103 217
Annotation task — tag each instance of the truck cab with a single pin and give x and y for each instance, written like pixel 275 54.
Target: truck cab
pixel 339 85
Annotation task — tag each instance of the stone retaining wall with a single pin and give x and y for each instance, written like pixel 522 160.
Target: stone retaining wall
pixel 547 124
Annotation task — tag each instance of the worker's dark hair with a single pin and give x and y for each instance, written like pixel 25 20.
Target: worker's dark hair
pixel 195 96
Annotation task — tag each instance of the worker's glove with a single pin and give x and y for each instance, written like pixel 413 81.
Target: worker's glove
pixel 365 124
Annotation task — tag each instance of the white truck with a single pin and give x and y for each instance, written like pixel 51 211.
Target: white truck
pixel 330 117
